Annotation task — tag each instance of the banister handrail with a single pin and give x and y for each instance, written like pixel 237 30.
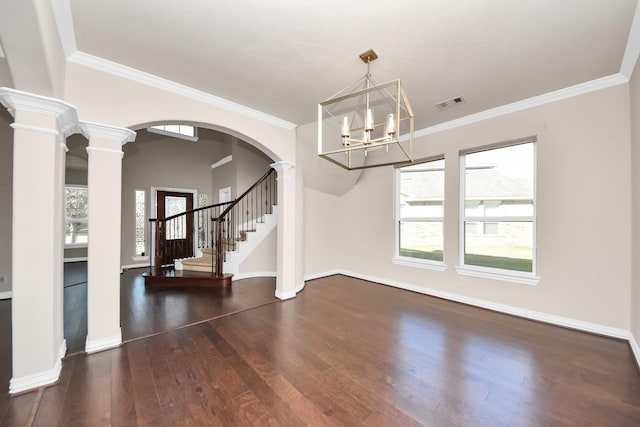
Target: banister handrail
pixel 191 211
pixel 237 200
pixel 180 235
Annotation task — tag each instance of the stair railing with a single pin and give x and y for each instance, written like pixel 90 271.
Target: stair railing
pixel 220 226
pixel 174 235
pixel 242 215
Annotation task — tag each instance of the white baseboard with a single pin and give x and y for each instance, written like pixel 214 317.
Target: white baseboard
pixel 254 274
pixel 94 346
pixel 634 348
pixel 321 275
pixel 40 379
pixel 126 267
pixel 285 295
pixel 6 295
pixel 502 308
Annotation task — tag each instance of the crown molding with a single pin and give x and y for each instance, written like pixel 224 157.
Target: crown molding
pixel 64 21
pixel 632 49
pixel 222 161
pixel 65 113
pixel 568 92
pixel 138 76
pixel 90 130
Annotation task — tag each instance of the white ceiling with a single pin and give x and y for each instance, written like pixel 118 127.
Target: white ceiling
pixel 282 57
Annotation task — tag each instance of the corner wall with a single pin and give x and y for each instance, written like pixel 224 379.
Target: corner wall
pixel 6 192
pixel 583 215
pixel 634 91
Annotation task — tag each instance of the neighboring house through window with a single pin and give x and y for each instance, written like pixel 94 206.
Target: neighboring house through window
pixel 498 214
pixel 420 213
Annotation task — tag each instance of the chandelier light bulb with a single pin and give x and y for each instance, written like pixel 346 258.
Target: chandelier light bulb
pixel 368 122
pixel 346 132
pixel 390 128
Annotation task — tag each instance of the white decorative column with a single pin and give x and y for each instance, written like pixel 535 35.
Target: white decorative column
pixel 103 266
pixel 40 129
pixel 286 265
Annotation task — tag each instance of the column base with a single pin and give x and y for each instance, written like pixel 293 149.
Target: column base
pixel 94 346
pixel 40 379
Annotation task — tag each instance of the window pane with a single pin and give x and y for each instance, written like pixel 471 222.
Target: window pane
pixel 421 239
pixel 177 227
pixel 422 190
pixel 511 248
pixel 499 182
pixel 140 222
pixel 76 232
pixel 174 205
pixel 77 203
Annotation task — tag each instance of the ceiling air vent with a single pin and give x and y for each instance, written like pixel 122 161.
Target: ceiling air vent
pixel 450 102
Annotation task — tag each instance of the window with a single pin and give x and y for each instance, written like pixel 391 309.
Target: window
pixel 76 215
pixel 498 219
pixel 420 211
pixel 140 222
pixel 188 132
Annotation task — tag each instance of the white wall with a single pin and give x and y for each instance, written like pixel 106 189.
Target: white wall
pixel 583 208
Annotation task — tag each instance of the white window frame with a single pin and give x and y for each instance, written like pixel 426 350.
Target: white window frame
pixel 527 278
pixel 144 257
pixel 66 220
pixel 181 134
pixel 411 261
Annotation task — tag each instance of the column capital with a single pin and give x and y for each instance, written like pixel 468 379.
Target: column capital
pixel 282 166
pixel 96 130
pixel 64 113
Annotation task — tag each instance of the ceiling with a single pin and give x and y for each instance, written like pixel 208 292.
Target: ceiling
pixel 282 57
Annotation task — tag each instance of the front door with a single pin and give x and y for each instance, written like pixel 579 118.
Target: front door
pixel 178 233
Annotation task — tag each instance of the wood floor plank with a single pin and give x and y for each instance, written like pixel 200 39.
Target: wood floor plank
pixel 144 392
pixel 122 403
pixel 275 405
pixel 344 352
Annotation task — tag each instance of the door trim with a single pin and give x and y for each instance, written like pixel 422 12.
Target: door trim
pixel 153 196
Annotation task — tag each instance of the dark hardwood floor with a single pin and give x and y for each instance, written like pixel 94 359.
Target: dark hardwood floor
pixel 347 352
pixel 146 311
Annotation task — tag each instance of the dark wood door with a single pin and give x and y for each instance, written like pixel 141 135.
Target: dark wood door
pixel 178 232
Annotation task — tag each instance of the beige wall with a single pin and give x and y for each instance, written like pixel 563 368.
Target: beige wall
pixel 6 191
pixel 225 175
pixel 252 165
pixel 5 74
pixel 160 161
pixel 262 258
pixel 635 200
pixel 583 213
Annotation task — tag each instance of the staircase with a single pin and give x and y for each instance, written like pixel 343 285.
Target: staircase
pixel 236 250
pixel 224 235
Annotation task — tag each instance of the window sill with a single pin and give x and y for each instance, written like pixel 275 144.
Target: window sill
pixel 419 263
pixel 140 258
pixel 523 278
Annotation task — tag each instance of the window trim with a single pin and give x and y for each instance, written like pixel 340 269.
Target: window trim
pixel 136 256
pixel 514 276
pixel 407 261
